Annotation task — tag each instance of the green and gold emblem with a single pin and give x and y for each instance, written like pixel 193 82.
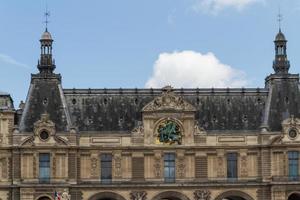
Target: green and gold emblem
pixel 169 132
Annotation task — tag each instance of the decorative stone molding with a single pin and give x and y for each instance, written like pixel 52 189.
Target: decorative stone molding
pixel 202 195
pixel 168 101
pixel 138 195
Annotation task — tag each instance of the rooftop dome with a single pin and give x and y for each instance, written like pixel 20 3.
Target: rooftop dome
pixel 46 36
pixel 280 36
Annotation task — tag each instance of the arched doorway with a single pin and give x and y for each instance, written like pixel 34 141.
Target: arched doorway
pixel 44 198
pixel 294 196
pixel 170 195
pixel 106 196
pixel 234 195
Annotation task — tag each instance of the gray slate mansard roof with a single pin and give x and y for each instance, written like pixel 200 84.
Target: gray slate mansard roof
pixel 120 109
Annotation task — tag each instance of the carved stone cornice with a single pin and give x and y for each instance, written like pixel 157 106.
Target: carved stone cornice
pixel 169 101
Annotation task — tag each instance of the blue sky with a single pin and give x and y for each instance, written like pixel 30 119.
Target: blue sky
pixel 139 43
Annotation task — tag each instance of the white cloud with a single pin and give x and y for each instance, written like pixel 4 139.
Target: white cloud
pixel 214 6
pixel 9 60
pixel 192 69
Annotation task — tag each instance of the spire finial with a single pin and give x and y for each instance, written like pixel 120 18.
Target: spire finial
pixel 280 18
pixel 47 15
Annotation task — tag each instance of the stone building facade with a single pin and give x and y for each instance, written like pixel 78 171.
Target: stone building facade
pixel 152 144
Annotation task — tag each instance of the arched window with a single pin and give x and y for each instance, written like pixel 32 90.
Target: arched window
pixel 294 196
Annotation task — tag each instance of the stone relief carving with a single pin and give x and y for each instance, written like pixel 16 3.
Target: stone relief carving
pixel 202 195
pixel 44 123
pixel 3 162
pixel 198 130
pixel 220 172
pixel 94 161
pixel 181 166
pixel 168 101
pixel 138 130
pixel 118 165
pixel 157 166
pixel 244 170
pixel 54 165
pixel 65 195
pixel 34 166
pixel 138 195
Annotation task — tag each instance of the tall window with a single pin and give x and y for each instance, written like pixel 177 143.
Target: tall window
pixel 44 167
pixel 232 165
pixel 293 164
pixel 106 165
pixel 169 167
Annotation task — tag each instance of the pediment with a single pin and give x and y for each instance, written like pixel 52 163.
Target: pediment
pixel 52 141
pixel 169 101
pixel 44 134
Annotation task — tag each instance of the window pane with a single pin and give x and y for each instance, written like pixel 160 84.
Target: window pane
pixel 44 167
pixel 232 165
pixel 293 157
pixel 106 168
pixel 169 167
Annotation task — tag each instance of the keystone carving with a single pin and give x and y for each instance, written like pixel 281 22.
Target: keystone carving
pixel 202 195
pixel 138 195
